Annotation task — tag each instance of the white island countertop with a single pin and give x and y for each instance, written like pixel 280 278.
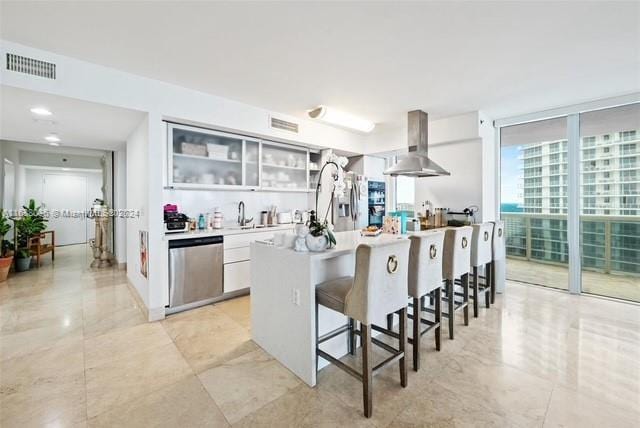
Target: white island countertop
pixel 346 243
pixel 283 297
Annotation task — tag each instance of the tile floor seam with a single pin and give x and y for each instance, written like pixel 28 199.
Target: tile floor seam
pixel 213 400
pixel 179 351
pixel 84 371
pixel 546 413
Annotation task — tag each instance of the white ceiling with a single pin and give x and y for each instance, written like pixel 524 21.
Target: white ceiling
pixel 376 60
pixel 77 123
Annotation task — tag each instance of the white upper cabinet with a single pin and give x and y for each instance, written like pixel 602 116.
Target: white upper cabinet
pixel 284 167
pixel 204 159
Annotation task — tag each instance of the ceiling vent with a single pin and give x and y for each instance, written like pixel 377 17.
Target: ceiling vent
pixel 34 67
pixel 284 125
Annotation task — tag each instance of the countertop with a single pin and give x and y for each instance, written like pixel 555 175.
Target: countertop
pixel 230 230
pixel 347 242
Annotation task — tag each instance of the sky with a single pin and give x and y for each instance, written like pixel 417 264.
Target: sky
pixel 510 173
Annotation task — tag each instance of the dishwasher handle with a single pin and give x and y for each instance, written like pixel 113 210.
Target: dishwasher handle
pixel 195 242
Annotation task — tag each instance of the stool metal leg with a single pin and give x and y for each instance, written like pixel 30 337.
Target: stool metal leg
pixel 317 337
pixel 493 282
pixel 488 278
pixel 452 313
pixel 351 337
pixel 417 320
pixel 438 315
pixel 390 322
pixel 465 285
pixel 402 347
pixel 476 292
pixel 367 374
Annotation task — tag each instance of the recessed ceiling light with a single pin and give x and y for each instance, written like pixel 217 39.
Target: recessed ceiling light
pixel 41 111
pixel 54 144
pixel 65 169
pixel 53 138
pixel 340 118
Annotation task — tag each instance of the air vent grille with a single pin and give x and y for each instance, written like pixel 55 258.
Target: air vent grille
pixel 34 67
pixel 284 125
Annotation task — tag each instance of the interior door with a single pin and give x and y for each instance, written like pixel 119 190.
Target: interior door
pixel 66 194
pixel 9 197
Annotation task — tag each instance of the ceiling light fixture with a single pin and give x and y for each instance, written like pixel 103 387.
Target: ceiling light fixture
pixel 53 138
pixel 339 118
pixel 41 111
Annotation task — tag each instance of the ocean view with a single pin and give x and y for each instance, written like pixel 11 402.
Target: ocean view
pixel 510 207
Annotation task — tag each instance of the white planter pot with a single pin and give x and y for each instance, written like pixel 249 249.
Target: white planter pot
pixel 317 243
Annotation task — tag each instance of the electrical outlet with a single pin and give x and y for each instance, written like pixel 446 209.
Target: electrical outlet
pixel 295 296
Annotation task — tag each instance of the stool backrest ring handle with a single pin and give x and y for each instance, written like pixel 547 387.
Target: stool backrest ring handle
pixel 464 242
pixel 486 235
pixel 392 264
pixel 433 251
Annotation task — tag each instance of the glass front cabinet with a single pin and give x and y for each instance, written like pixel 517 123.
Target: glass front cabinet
pixel 204 159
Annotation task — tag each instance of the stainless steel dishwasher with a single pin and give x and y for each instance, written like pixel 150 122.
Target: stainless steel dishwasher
pixel 195 272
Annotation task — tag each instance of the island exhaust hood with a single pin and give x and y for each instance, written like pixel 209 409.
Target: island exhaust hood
pixel 417 163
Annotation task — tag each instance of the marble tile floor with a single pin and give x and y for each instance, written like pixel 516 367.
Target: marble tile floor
pixel 76 351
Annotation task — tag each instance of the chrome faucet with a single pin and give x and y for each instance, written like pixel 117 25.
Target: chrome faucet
pixel 242 220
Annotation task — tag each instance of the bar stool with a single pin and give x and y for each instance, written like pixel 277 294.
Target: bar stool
pixel 456 262
pixel 379 287
pixel 425 278
pixel 499 262
pixel 481 255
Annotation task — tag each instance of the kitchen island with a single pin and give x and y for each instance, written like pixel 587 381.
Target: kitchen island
pixel 283 300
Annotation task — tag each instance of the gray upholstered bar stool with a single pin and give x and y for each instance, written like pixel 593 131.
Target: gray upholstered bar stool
pixel 498 263
pixel 378 288
pixel 481 257
pixel 455 265
pixel 425 278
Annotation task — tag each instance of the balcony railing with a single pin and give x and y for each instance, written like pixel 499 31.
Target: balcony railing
pixel 609 244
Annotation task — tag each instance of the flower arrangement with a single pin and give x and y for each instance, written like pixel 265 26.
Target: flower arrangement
pixel 321 228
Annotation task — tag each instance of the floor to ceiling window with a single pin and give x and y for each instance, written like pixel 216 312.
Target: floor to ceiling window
pixel 536 202
pixel 610 201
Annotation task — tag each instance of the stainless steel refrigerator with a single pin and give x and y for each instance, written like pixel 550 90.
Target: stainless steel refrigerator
pixel 350 211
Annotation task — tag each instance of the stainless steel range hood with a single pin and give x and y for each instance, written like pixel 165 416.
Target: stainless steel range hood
pixel 417 163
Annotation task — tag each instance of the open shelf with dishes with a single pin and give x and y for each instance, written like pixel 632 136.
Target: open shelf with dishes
pixel 200 158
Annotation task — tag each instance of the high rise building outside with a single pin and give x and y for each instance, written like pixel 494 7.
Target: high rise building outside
pixel 609 203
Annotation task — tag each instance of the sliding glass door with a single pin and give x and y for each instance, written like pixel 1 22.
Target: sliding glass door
pixel 534 201
pixel 570 199
pixel 610 202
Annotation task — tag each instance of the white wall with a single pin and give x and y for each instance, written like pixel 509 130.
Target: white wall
pixel 9 151
pixel 463 159
pixel 489 169
pixel 137 198
pixel 463 146
pixel 34 188
pixel 385 138
pixel 120 202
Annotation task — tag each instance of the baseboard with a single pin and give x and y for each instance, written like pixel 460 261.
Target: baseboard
pixel 138 299
pixel 156 314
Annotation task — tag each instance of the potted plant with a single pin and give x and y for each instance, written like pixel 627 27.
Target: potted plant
pixel 6 253
pixel 23 260
pixel 31 224
pixel 320 236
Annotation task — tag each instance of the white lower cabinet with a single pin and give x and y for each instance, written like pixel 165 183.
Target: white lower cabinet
pixel 237 276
